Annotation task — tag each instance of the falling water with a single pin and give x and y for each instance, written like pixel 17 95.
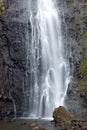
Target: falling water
pixel 48 74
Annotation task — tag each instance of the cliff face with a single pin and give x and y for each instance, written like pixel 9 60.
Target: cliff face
pixel 13 57
pixel 76 23
pixel 12 60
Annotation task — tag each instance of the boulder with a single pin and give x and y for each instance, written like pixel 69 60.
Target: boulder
pixel 60 114
pixel 33 124
pixel 38 128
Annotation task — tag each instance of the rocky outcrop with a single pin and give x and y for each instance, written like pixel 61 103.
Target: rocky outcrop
pixel 60 114
pixel 6 108
pixel 75 124
pixel 76 32
pixel 12 60
pixel 64 120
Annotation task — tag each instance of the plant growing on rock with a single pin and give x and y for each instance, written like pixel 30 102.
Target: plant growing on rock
pixel 1 7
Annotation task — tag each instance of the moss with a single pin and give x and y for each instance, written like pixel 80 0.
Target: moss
pixel 84 19
pixel 75 10
pixel 82 71
pixel 79 1
pixel 1 7
pixel 84 7
pixel 82 84
pixel 70 1
pixel 83 43
pixel 84 36
pixel 83 67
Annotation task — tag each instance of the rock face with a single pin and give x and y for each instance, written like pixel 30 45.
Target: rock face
pixel 12 60
pixel 6 108
pixel 75 22
pixel 60 115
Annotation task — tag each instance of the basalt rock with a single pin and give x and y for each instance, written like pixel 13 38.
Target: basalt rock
pixel 76 33
pixel 6 108
pixel 12 59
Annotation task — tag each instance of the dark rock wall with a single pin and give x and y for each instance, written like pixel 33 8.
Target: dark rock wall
pixel 75 18
pixel 12 59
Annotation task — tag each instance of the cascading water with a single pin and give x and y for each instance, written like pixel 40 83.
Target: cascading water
pixel 47 66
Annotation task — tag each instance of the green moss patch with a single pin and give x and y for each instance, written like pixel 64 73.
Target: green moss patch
pixel 82 84
pixel 84 7
pixel 70 1
pixel 84 19
pixel 1 7
pixel 83 39
pixel 83 45
pixel 83 71
pixel 83 67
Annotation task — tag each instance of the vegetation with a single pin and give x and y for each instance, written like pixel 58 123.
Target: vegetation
pixel 82 84
pixel 1 7
pixel 83 65
pixel 83 72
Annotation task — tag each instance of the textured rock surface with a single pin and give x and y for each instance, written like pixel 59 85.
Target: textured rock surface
pixel 76 23
pixel 12 60
pixel 60 114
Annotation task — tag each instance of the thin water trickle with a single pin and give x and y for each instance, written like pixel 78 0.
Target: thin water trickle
pixel 48 67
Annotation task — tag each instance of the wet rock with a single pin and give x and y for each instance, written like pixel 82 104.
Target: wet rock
pixel 60 114
pixel 33 124
pixel 76 42
pixel 12 61
pixel 73 125
pixel 24 123
pixel 38 128
pixel 6 108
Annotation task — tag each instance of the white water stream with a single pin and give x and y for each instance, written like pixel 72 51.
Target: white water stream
pixel 48 67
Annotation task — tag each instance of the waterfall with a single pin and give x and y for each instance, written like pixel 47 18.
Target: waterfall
pixel 48 73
